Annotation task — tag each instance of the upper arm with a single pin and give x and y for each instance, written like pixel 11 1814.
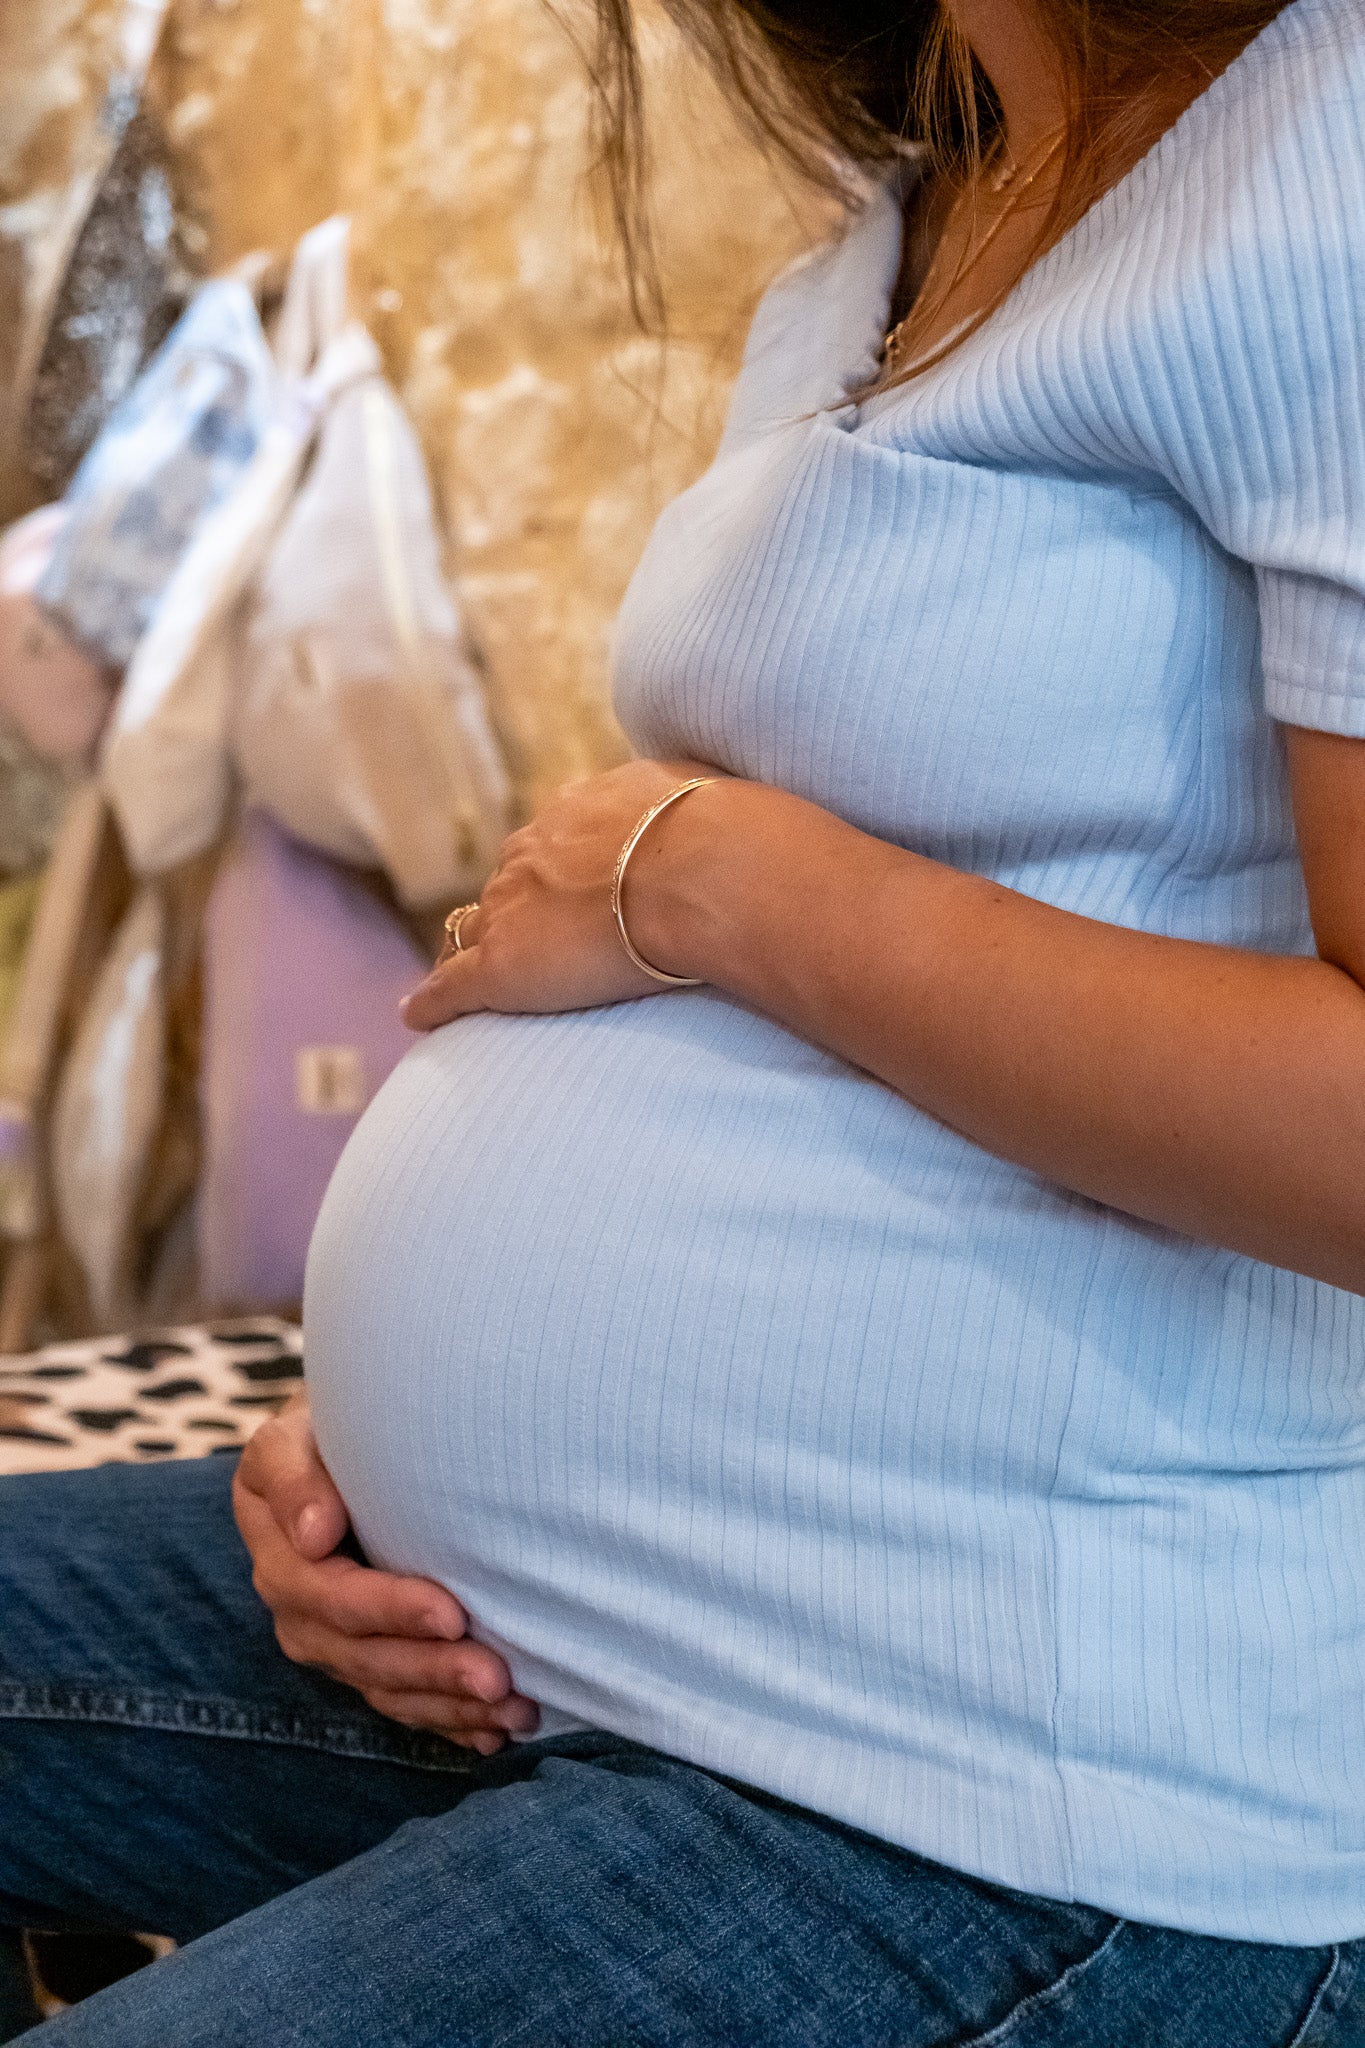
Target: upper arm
pixel 1327 777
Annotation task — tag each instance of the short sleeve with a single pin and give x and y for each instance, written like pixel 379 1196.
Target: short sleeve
pixel 1274 347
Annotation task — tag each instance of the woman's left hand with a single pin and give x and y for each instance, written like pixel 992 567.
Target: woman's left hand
pixel 543 937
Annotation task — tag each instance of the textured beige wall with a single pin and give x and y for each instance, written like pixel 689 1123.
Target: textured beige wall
pixel 455 132
pixel 54 58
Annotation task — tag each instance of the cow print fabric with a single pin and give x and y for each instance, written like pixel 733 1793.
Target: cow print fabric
pixel 177 1393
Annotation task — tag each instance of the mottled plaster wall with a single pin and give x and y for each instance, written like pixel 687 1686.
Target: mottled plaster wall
pixel 455 132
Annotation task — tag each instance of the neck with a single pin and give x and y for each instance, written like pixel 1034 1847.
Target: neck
pixel 1008 42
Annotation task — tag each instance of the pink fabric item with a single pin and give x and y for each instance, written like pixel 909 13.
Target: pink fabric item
pixel 304 970
pixel 54 695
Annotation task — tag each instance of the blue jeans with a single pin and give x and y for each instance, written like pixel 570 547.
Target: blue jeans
pixel 341 1882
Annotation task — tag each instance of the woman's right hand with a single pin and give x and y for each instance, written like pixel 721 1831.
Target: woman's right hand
pixel 402 1643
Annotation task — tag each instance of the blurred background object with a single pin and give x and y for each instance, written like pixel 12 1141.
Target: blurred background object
pixel 454 133
pixel 111 279
pixel 145 148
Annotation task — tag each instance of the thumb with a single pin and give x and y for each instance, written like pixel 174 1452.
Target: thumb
pixel 320 1523
pixel 450 990
pixel 282 1465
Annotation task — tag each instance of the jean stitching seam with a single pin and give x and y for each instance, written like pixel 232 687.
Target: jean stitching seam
pixel 1037 2000
pixel 228 1720
pixel 1319 1996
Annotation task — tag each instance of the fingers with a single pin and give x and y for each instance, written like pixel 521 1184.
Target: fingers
pixel 340 1594
pixel 472 1681
pixel 356 1600
pixel 390 1638
pixel 399 1641
pixel 434 1712
pixel 465 1671
pixel 281 1479
pixel 466 925
pixel 452 989
pixel 282 1467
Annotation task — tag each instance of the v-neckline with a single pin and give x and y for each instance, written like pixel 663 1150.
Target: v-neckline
pixel 1096 219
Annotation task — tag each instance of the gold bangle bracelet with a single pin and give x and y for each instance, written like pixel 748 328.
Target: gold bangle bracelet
pixel 619 876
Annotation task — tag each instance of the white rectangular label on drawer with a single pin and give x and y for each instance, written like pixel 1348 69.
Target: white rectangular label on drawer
pixel 329 1080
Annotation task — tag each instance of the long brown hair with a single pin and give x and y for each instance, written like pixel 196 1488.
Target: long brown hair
pixel 837 91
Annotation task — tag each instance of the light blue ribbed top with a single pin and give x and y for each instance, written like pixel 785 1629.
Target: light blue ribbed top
pixel 755 1414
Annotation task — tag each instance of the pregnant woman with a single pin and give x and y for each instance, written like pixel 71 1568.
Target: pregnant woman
pixel 844 1341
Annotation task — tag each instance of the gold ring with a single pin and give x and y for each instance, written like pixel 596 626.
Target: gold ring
pixel 454 922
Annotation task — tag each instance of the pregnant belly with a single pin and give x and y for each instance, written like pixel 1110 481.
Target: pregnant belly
pixel 630 1325
pixel 738 1402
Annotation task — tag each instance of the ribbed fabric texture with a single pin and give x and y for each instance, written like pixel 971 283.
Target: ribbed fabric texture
pixel 753 1413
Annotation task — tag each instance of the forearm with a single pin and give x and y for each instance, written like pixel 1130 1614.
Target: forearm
pixel 1217 1092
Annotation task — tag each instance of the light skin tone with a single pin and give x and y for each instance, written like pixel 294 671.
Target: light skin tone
pixel 1214 1092
pixel 1023 69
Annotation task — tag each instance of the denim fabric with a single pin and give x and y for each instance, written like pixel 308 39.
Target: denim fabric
pixel 342 1883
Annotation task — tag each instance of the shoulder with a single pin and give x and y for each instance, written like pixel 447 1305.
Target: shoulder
pixel 1263 348
pixel 1248 229
pixel 1280 160
pixel 1264 189
pixel 1248 212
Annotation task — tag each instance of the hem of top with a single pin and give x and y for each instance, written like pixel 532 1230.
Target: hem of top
pixel 1322 705
pixel 1340 1925
pixel 1128 1879
pixel 229 1720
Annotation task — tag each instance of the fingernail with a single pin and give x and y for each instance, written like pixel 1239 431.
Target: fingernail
pixel 308 1524
pixel 441 1625
pixel 405 1007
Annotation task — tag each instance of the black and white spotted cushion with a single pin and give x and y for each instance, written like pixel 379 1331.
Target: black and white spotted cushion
pixel 175 1393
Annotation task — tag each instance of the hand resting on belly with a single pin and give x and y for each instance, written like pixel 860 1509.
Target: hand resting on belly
pixel 1238 1122
pixel 402 1643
